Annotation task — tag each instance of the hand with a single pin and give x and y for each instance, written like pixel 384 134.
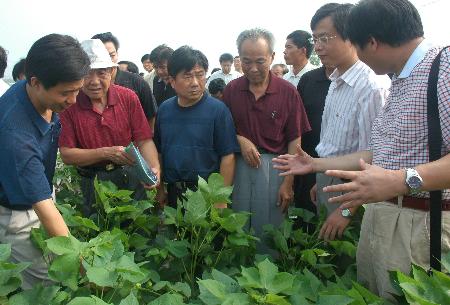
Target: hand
pixel 220 205
pixel 161 196
pixel 117 155
pixel 313 194
pixel 158 174
pixel 334 225
pixel 371 184
pixel 285 196
pixel 249 152
pixel 299 164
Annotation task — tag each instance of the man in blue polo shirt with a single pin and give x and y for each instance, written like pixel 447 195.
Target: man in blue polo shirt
pixel 29 131
pixel 194 132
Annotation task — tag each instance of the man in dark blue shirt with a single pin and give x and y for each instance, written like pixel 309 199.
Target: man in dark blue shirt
pixel 29 130
pixel 194 132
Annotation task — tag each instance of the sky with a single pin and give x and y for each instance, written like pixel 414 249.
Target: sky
pixel 210 26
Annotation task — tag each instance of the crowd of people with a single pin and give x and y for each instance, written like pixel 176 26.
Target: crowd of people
pixel 333 137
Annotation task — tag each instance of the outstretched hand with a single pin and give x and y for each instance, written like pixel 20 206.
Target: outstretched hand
pixel 371 184
pixel 299 164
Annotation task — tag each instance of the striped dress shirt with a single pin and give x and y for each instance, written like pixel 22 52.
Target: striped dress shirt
pixel 353 101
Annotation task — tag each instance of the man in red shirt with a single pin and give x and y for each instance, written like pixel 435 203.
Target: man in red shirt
pixel 104 120
pixel 269 118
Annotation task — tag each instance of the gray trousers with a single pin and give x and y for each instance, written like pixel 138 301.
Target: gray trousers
pixel 323 180
pixel 256 191
pixel 15 229
pixel 124 179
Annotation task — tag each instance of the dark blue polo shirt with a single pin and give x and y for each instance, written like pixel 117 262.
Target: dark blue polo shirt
pixel 192 140
pixel 28 150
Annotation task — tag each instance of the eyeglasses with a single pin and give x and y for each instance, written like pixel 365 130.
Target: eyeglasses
pixel 323 40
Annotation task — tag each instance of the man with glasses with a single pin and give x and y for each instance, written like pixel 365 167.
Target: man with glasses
pixel 104 120
pixel 270 119
pixel 194 132
pixel 355 97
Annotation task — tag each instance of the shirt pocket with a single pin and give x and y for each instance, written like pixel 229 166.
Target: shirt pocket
pixel 272 125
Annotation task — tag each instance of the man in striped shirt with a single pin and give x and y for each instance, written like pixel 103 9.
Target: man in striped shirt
pixel 355 97
pixel 395 231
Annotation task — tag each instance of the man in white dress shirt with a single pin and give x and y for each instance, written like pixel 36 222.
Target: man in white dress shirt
pixel 297 50
pixel 355 97
pixel 3 62
pixel 226 61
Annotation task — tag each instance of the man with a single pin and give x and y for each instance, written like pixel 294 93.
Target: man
pixel 147 63
pixel 18 72
pixel 237 64
pixel 355 97
pixel 297 51
pixel 3 63
pixel 313 89
pixel 129 80
pixel 194 132
pixel 226 61
pixel 29 130
pixel 104 120
pixel 162 90
pixel 269 119
pixel 388 35
pixel 279 70
pixel 216 88
pixel 125 65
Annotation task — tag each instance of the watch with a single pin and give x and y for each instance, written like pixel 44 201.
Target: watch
pixel 413 181
pixel 346 213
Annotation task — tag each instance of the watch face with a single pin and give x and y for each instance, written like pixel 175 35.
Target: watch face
pixel 346 213
pixel 414 182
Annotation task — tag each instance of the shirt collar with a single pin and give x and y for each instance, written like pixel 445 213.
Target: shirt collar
pixel 85 102
pixel 271 88
pixel 350 76
pixel 416 57
pixel 42 125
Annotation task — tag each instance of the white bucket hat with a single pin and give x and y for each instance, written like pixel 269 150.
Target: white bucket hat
pixel 97 53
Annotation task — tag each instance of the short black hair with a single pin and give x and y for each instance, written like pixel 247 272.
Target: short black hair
pixel 155 52
pixel 394 22
pixel 55 59
pixel 225 57
pixel 107 37
pixel 131 66
pixel 145 57
pixel 302 40
pixel 164 55
pixel 215 70
pixel 216 85
pixel 3 61
pixel 19 68
pixel 339 14
pixel 184 59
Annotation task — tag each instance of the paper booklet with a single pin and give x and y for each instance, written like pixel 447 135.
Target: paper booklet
pixel 140 167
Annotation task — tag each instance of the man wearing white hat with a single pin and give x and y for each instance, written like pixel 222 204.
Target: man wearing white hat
pixel 104 120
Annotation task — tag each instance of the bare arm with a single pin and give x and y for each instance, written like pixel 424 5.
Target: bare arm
pixel 227 165
pixel 435 175
pixel 50 218
pixel 292 149
pixel 86 157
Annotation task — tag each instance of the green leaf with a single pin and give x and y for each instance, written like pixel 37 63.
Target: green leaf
pixel 65 269
pixel 250 278
pixel 168 298
pixel 211 291
pixel 92 300
pixel 280 241
pixel 10 278
pixel 130 300
pixel 101 276
pixel 281 283
pixel 309 256
pixel 236 299
pixel 334 300
pixel 344 247
pixel 183 288
pixel 85 222
pixel 64 245
pixel 5 252
pixel 196 208
pixel 230 284
pixel 267 272
pixel 38 295
pixel 234 222
pixel 446 261
pixel 178 248
pixel 276 299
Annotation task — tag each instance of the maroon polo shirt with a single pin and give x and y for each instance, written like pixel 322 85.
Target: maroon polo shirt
pixel 121 122
pixel 272 121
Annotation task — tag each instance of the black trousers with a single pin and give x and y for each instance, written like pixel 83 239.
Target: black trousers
pixel 175 191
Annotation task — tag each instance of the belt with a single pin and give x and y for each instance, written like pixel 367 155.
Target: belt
pixel 422 204
pixel 90 171
pixel 265 151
